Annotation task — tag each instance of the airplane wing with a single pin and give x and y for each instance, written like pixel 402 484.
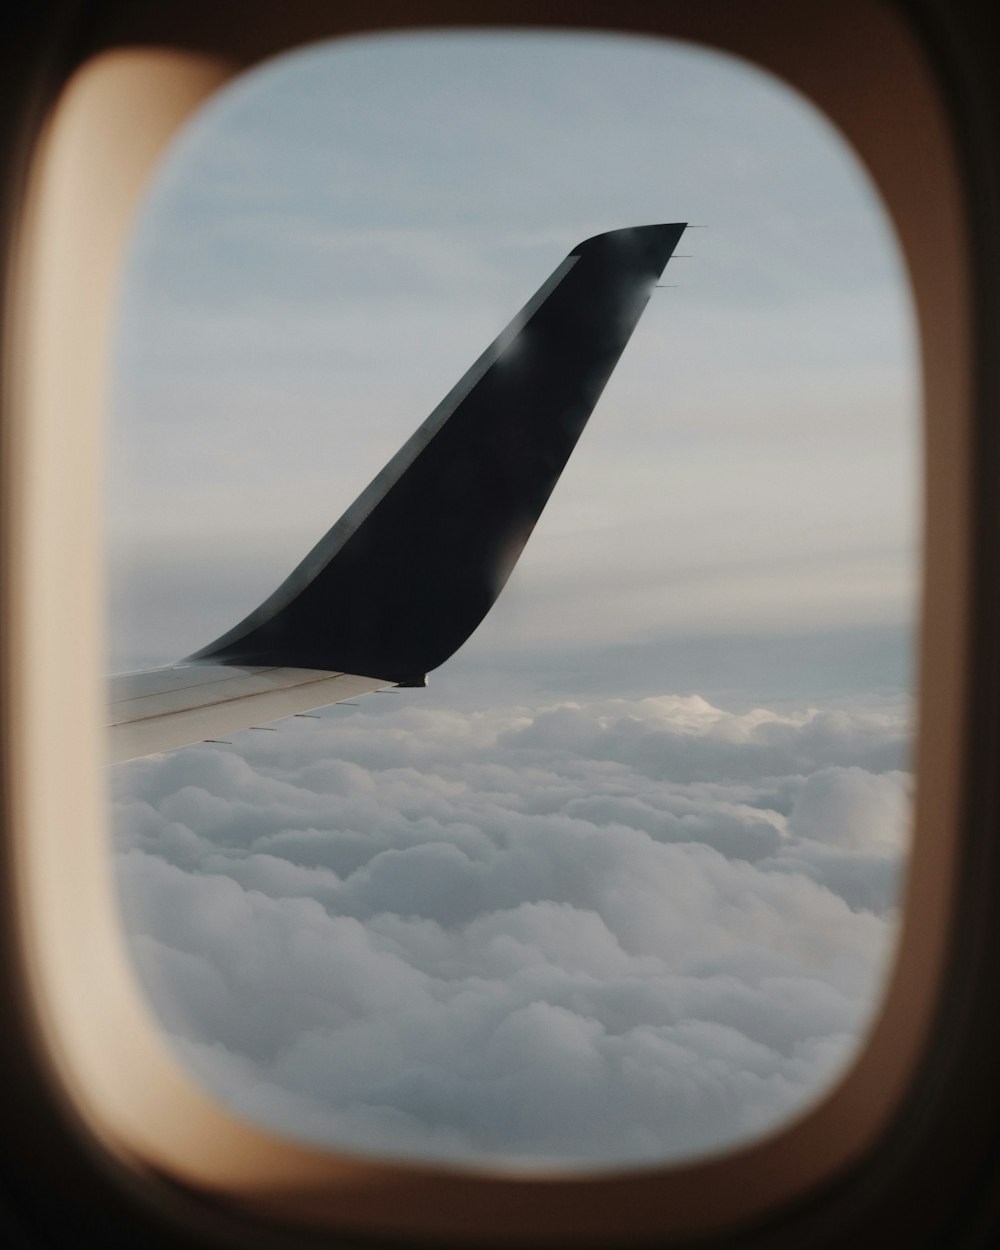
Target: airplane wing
pixel 415 563
pixel 171 707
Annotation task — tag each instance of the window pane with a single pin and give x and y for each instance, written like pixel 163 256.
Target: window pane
pixel 620 887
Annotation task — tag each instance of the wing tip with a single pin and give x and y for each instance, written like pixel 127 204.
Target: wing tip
pixel 659 236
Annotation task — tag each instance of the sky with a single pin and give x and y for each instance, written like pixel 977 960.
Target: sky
pixel 621 885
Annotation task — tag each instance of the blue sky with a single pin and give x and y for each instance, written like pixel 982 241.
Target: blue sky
pixel 621 885
pixel 338 236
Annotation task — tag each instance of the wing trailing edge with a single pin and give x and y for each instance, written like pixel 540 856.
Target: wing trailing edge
pixel 163 708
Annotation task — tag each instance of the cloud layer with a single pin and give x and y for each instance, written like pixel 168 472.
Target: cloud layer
pixel 591 933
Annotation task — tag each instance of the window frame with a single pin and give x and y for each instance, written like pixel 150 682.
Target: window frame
pixel 98 1065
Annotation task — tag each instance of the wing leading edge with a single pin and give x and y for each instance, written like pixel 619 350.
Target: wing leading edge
pixel 409 571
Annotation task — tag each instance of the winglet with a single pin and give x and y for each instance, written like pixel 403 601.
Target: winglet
pixel 412 567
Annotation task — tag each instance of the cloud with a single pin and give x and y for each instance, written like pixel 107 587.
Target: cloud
pixel 852 807
pixel 608 932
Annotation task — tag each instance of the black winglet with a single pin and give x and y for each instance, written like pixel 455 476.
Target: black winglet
pixel 412 567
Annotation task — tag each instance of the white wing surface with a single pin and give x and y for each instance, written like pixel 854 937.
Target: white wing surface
pixel 165 708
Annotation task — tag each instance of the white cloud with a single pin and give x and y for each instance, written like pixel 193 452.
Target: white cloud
pixel 606 932
pixel 851 807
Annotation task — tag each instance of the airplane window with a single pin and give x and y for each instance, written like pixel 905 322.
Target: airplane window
pixel 621 885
